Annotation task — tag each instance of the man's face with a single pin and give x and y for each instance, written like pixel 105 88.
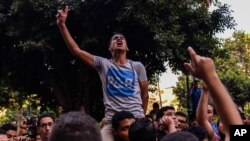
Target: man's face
pixel 11 134
pixel 172 114
pixel 45 127
pixel 196 84
pixel 182 122
pixel 23 129
pixel 122 131
pixel 210 113
pixel 118 42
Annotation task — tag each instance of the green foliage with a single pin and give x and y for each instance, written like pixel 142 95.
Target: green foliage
pixel 234 69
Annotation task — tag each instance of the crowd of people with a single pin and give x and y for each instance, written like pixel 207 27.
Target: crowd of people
pixel 125 97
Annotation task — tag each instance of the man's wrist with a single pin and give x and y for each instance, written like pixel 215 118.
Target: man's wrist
pixel 61 25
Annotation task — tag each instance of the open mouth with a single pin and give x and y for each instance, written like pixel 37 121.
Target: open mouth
pixel 119 43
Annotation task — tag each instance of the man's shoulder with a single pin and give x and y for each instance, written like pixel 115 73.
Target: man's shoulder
pixel 136 63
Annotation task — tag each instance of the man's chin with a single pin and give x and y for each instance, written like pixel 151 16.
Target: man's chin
pixel 119 49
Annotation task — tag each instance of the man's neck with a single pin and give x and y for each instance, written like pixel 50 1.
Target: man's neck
pixel 119 58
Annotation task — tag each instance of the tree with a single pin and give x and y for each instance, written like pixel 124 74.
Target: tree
pixel 234 69
pixel 35 58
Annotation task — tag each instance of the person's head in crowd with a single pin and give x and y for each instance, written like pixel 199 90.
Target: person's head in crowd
pixel 121 122
pixel 23 127
pixel 3 136
pixel 45 123
pixel 199 131
pixel 168 111
pixel 182 119
pixel 211 112
pixel 156 106
pixel 38 137
pixel 196 83
pixel 142 130
pixel 10 130
pixel 180 136
pixel 75 126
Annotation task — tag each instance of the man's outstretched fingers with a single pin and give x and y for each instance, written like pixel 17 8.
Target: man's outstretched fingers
pixel 192 53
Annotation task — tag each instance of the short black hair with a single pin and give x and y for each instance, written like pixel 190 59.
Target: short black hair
pixel 156 105
pixel 142 130
pixel 199 131
pixel 179 113
pixel 119 116
pixel 75 126
pixel 8 126
pixel 161 111
pixel 114 33
pixel 2 132
pixel 44 115
pixel 180 136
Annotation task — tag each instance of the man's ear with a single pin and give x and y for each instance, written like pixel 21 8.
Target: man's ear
pixel 127 48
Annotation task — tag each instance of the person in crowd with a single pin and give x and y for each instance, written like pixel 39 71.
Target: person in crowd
pixel 22 130
pixel 205 113
pixel 45 123
pixel 195 94
pixel 142 130
pixel 75 126
pixel 199 131
pixel 38 137
pixel 10 130
pixel 211 112
pixel 204 69
pixel 3 136
pixel 156 106
pixel 152 114
pixel 125 84
pixel 167 121
pixel 180 136
pixel 182 120
pixel 121 122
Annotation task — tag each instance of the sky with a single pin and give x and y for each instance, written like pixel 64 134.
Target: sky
pixel 241 14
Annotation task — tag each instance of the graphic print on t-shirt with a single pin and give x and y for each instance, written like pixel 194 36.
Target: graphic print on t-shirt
pixel 120 82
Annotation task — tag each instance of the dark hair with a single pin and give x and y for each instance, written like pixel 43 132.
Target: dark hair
pixel 119 116
pixel 142 130
pixel 181 114
pixel 161 111
pixel 114 33
pixel 2 132
pixel 199 131
pixel 180 136
pixel 156 105
pixel 44 115
pixel 75 126
pixel 212 105
pixel 8 126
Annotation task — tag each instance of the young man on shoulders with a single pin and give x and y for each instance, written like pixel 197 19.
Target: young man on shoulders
pixel 124 82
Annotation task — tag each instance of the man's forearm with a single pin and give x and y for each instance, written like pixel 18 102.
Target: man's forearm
pixel 73 47
pixel 145 103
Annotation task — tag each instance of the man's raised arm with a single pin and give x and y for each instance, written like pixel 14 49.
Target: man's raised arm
pixel 204 68
pixel 72 45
